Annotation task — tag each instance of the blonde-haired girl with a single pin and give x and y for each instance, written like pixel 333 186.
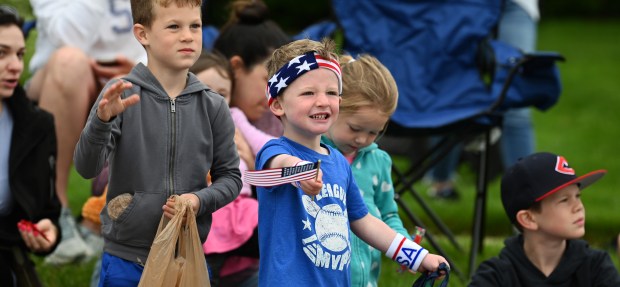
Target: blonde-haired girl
pixel 369 97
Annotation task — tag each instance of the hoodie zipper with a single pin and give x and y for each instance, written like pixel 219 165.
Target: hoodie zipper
pixel 172 147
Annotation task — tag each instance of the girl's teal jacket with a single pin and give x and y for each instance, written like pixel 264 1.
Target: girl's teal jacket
pixel 372 170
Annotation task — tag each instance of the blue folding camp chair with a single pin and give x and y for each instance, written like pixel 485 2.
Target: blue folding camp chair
pixel 440 52
pixel 28 26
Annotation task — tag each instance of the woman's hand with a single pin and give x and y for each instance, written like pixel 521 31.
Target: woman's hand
pixel 42 238
pixel 113 69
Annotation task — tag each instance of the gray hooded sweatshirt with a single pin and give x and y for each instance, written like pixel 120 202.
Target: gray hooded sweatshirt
pixel 157 148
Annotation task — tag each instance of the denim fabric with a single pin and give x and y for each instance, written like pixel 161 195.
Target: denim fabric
pixel 119 272
pixel 520 30
pixel 445 169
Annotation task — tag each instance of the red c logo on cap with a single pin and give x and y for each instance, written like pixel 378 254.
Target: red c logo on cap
pixel 561 166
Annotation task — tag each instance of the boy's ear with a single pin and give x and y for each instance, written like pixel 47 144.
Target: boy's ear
pixel 139 31
pixel 236 63
pixel 527 220
pixel 276 107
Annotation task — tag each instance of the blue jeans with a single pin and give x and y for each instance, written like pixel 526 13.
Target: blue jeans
pixel 445 169
pixel 119 272
pixel 516 28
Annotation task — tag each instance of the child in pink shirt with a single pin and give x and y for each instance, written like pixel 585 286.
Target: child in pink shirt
pixel 232 245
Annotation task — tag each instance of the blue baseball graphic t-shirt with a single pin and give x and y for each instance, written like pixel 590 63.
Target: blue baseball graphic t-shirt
pixel 305 241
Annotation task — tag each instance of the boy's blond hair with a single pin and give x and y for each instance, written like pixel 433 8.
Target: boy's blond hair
pixel 367 83
pixel 142 10
pixel 326 48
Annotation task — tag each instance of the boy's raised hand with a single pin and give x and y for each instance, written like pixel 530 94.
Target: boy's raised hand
pixel 112 104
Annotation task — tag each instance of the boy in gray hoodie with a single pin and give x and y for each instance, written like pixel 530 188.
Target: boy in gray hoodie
pixel 162 131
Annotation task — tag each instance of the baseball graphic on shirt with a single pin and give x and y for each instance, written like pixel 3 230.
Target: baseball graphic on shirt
pixel 331 228
pixel 330 225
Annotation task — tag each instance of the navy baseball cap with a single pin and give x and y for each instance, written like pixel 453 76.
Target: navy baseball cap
pixel 537 176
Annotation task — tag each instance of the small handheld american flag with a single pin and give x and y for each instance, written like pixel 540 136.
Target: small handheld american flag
pixel 278 176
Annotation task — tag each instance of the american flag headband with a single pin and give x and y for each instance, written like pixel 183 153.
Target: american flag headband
pixel 297 67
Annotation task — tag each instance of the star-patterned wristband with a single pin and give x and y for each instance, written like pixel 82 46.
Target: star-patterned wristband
pixel 406 252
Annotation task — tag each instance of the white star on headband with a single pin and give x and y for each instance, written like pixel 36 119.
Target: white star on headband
pixel 274 78
pixel 295 60
pixel 282 84
pixel 304 67
pixel 294 68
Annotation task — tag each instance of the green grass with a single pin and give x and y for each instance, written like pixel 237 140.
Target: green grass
pixel 64 276
pixel 580 126
pixel 22 6
pixel 585 118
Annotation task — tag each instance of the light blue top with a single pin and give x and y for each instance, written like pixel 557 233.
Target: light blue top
pixel 6 130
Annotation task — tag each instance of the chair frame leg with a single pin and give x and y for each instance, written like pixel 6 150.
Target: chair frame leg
pixel 429 236
pixel 404 181
pixel 407 186
pixel 477 241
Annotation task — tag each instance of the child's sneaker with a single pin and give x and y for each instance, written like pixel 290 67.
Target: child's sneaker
pixel 441 189
pixel 448 193
pixel 92 240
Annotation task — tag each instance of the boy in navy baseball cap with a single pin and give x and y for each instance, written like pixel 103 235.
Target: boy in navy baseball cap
pixel 541 195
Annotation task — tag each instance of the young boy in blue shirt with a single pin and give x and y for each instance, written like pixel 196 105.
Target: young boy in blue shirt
pixel 161 130
pixel 304 226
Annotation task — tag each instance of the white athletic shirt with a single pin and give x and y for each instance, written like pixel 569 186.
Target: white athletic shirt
pixel 100 28
pixel 531 7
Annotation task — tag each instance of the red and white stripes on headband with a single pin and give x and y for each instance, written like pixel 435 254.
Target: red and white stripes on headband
pixel 297 67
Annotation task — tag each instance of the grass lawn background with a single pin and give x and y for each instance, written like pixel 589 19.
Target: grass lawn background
pixel 582 127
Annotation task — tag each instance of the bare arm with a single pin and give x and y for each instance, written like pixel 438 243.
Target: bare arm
pixel 379 235
pixel 245 152
pixel 374 232
pixel 256 138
